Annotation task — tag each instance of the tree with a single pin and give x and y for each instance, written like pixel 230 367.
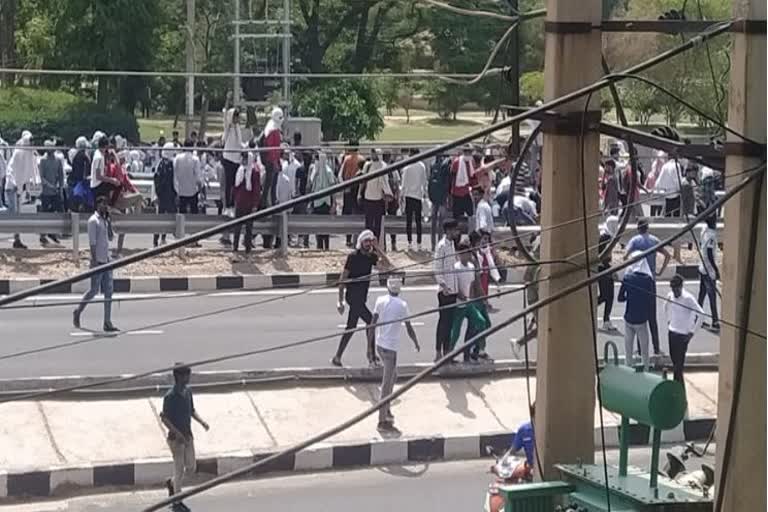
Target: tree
pixel 8 10
pixel 405 98
pixel 446 98
pixel 388 89
pixel 532 87
pixel 641 100
pixel 348 109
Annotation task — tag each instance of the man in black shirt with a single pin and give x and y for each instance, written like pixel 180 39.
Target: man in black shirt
pixel 358 268
pixel 177 415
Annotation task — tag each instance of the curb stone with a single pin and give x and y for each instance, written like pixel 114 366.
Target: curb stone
pixel 58 480
pixel 215 380
pixel 149 284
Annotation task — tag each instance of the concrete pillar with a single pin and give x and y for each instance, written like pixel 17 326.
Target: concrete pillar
pixel 565 394
pixel 744 487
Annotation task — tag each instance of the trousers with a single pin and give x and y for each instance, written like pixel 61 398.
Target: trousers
pixel 413 212
pixel 641 332
pixel 358 309
pixel 444 323
pixel 184 463
pixel 678 347
pixel 477 321
pixel 374 211
pixel 436 218
pixel 605 293
pixel 99 282
pixel 707 288
pixel 388 378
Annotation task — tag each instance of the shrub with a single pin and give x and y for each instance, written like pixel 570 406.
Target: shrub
pixel 49 113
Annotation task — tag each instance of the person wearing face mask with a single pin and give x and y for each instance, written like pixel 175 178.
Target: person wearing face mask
pixel 165 187
pixel 272 140
pixel 20 173
pixel 462 179
pixel 375 193
pixel 353 288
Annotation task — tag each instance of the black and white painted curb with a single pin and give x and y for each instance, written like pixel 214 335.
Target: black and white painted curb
pixel 148 284
pixel 152 472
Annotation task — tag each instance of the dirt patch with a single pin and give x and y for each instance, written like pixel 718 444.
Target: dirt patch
pixel 53 264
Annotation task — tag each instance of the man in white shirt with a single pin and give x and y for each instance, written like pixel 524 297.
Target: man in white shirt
pixel 101 184
pixel 448 288
pixel 483 211
pixel 668 184
pixel 709 274
pixel 389 314
pixel 187 179
pixel 414 188
pixel 684 316
pixel 375 193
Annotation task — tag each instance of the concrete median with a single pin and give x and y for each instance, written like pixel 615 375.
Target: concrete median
pixel 53 447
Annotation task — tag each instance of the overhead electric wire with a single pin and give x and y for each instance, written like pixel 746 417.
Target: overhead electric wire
pixel 590 293
pixel 488 63
pixel 717 30
pixel 568 290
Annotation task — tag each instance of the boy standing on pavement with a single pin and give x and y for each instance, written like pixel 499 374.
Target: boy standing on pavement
pixel 637 290
pixel 684 316
pixel 474 312
pixel 99 235
pixel 178 412
pixel 392 311
pixel 447 287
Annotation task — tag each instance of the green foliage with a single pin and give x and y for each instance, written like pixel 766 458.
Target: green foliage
pixel 531 87
pixel 50 113
pixel 641 99
pixel 348 109
pixel 446 98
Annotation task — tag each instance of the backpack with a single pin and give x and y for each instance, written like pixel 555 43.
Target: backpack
pixel 439 179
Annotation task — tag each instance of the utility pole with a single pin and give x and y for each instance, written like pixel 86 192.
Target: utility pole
pixel 236 85
pixel 514 64
pixel 742 380
pixel 565 374
pixel 190 50
pixel 287 53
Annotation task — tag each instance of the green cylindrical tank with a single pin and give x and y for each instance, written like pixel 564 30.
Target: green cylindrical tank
pixel 644 397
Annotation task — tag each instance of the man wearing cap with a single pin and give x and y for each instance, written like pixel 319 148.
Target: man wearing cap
pixel 353 287
pixel 389 314
pixel 177 414
pixel 448 288
pixel 684 317
pixel 642 241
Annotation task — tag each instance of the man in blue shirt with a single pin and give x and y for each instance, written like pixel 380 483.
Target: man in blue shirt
pixel 641 242
pixel 526 440
pixel 637 290
pixel 178 412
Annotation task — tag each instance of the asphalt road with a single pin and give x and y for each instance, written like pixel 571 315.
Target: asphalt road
pixel 444 487
pixel 286 320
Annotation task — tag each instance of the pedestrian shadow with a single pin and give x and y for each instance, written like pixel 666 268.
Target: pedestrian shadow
pixel 363 392
pixel 455 392
pixel 404 471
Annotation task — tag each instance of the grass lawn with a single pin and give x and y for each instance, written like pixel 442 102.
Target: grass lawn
pixel 149 129
pixel 430 129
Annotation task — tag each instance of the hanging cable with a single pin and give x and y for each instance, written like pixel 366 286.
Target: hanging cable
pixel 443 361
pixel 590 294
pixel 488 63
pixel 486 14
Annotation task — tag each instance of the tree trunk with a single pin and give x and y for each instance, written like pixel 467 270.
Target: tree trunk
pixel 7 40
pixel 102 92
pixel 204 104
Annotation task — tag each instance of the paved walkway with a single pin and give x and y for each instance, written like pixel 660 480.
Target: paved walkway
pixel 46 434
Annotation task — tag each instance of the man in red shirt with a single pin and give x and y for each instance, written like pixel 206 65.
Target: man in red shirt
pixel 462 180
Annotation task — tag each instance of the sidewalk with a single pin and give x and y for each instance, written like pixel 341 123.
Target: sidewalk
pixel 49 447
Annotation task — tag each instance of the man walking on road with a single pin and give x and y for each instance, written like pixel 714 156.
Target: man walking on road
pixel 640 242
pixel 605 284
pixel 684 316
pixel 637 290
pixel 178 412
pixel 99 235
pixel 357 270
pixel 391 310
pixel 709 274
pixel 448 288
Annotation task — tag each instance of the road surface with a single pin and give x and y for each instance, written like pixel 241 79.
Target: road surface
pixel 286 320
pixel 443 487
